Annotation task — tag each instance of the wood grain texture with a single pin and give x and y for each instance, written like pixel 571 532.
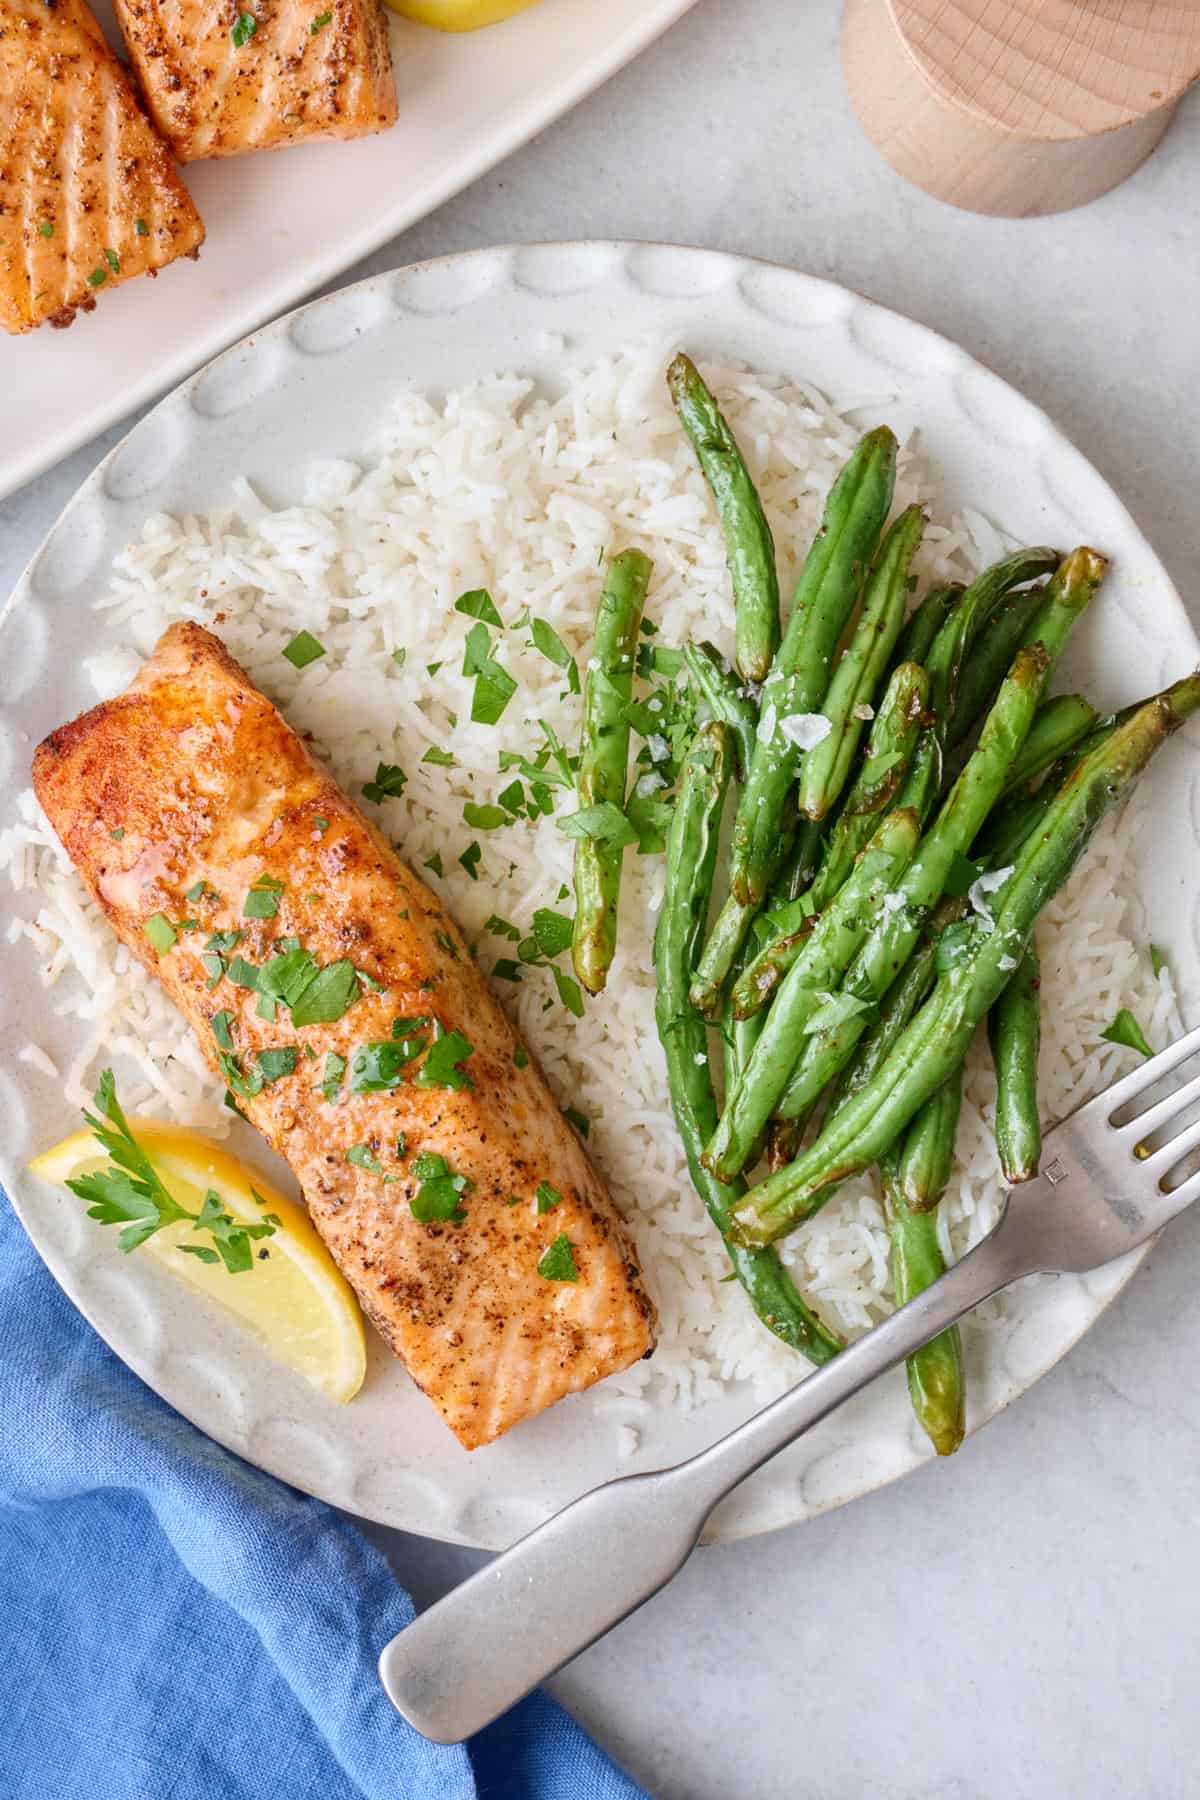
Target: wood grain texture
pixel 1018 106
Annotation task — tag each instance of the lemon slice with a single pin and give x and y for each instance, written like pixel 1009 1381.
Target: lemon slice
pixel 293 1299
pixel 458 15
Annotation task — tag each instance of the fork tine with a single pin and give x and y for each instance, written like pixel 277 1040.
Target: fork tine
pixel 1180 1197
pixel 1138 1080
pixel 1145 1124
pixel 1173 1151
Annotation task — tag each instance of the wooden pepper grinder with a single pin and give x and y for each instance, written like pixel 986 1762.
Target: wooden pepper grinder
pixel 1018 106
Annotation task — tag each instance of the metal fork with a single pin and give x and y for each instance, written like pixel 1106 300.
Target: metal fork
pixel 1102 1191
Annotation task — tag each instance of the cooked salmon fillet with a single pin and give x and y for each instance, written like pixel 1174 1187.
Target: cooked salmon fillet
pixel 89 195
pixel 188 798
pixel 255 74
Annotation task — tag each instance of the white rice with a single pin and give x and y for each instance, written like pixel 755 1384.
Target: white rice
pixel 505 489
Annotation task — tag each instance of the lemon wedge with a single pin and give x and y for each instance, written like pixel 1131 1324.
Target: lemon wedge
pixel 458 15
pixel 294 1299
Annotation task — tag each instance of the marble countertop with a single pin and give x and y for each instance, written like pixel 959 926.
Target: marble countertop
pixel 1018 1624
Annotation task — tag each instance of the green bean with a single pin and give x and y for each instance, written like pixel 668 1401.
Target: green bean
pixel 725 941
pixel 958 823
pixel 799 675
pixel 1060 724
pixel 890 750
pixel 936 1383
pixel 954 643
pixel 691 861
pixel 986 665
pixel 807 990
pixel 738 1038
pixel 936 1040
pixel 726 699
pixel 916 640
pixel 894 935
pixel 927 1152
pixel 910 990
pixel 824 770
pixel 749 548
pixel 603 755
pixel 731 927
pixel 1014 1030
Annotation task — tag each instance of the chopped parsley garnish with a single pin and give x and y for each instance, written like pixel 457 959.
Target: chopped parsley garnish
pixel 536 771
pixel 97 278
pixel 478 604
pixel 243 29
pixel 494 686
pixel 447 943
pixel 159 929
pixel 327 996
pixel 1158 960
pixel 319 23
pixel 243 973
pixel 331 1080
pixel 46 228
pixel 470 859
pixel 569 991
pixel 440 1068
pixel 502 928
pixel 512 798
pixel 389 781
pixel 141 227
pixel 379 1066
pixel 303 649
pixel 222 1028
pixel 552 931
pixel 401 1143
pixel 579 1120
pixel 557 1263
pixel 434 862
pixel 198 891
pixel 604 823
pixel 223 941
pixel 505 969
pixel 266 1007
pixel 445 759
pixel 276 1062
pixel 287 974
pixel 440 1194
pixel 117 833
pixel 400 657
pixel 362 1158
pixel 262 901
pixel 431 669
pixel 320 823
pixel 113 261
pixel 484 817
pixel 547 640
pixel 369 984
pixel 520 1057
pixel 246 1082
pixel 132 1194
pixel 547 1197
pixel 1126 1030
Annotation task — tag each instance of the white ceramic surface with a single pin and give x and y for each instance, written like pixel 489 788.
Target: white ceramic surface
pixel 315 383
pixel 282 223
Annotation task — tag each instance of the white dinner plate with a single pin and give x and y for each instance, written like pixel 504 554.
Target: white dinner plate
pixel 283 222
pixel 317 384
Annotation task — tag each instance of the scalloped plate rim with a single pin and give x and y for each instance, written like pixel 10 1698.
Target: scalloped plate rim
pixel 733 1526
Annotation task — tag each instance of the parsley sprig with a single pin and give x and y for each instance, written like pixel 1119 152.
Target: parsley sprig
pixel 133 1195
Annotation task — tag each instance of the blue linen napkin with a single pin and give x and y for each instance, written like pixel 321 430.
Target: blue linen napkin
pixel 176 1625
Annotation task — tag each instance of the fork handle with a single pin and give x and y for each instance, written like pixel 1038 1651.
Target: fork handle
pixel 478 1651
